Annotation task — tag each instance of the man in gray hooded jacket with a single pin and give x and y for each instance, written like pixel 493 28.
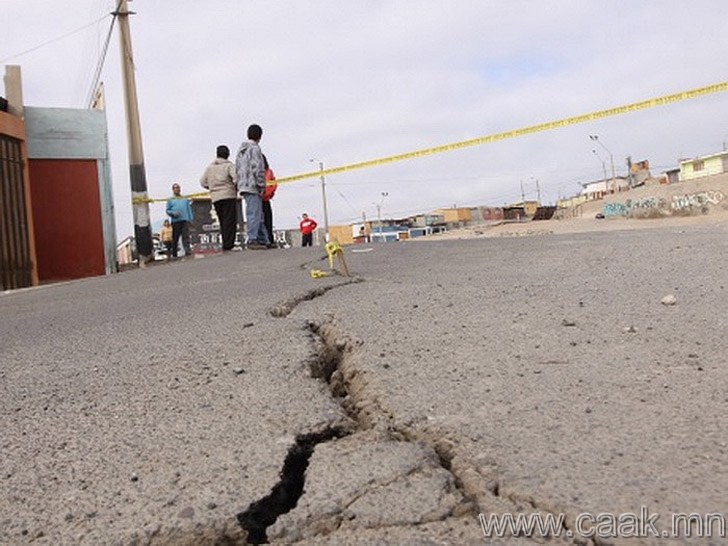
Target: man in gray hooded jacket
pixel 251 184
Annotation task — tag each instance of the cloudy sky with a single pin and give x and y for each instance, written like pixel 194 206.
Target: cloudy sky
pixel 348 81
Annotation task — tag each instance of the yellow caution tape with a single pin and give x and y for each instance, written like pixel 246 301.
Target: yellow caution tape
pixel 547 126
pixel 140 200
pixel 200 195
pixel 600 114
pixel 318 274
pixel 332 248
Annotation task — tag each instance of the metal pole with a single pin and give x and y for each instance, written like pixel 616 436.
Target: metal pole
pixel 611 160
pixel 379 220
pixel 326 208
pixel 523 195
pixel 595 138
pixel 379 214
pixel 137 173
pixel 323 197
pixel 604 168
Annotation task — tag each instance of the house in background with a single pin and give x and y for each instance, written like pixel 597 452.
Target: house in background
pixel 455 217
pixel 427 220
pixel 672 176
pixel 699 167
pixel 597 189
pixel 389 233
pixel 491 214
pixel 344 234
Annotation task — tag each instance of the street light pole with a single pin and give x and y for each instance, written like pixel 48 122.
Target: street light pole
pixel 323 197
pixel 595 138
pixel 604 168
pixel 379 214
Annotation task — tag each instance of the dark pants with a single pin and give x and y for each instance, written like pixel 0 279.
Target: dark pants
pixel 268 220
pixel 227 213
pixel 181 230
pixel 168 248
pixel 308 239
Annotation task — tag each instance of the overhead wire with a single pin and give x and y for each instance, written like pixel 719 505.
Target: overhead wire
pixel 100 65
pixel 344 198
pixel 54 40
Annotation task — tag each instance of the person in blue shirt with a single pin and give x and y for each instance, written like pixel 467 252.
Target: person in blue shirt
pixel 179 211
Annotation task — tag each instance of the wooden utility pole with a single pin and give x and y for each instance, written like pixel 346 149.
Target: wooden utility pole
pixel 137 173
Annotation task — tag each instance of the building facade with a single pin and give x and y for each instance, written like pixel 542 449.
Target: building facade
pixel 59 224
pixel 699 167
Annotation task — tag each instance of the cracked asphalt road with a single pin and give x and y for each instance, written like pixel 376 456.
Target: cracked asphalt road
pixel 499 375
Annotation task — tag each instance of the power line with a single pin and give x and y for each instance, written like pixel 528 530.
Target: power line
pixel 343 197
pixel 54 40
pixel 100 65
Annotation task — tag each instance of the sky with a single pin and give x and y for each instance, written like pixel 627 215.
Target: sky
pixel 344 82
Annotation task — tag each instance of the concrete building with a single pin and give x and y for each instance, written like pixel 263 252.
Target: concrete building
pixel 425 220
pixel 389 233
pixel 344 234
pixel 597 189
pixel 455 215
pixel 59 224
pixel 594 190
pixel 699 167
pixel 672 176
pixel 491 214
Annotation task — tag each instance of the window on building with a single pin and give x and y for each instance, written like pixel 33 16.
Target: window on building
pixel 698 165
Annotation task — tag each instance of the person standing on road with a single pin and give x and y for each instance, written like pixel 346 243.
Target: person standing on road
pixel 270 191
pixel 251 185
pixel 165 237
pixel 307 227
pixel 221 179
pixel 180 211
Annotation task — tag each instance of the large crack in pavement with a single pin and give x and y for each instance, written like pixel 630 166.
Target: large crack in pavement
pixel 340 369
pixel 425 465
pixel 456 487
pixel 285 308
pixel 263 513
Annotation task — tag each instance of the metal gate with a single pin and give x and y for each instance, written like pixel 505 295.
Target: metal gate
pixel 15 262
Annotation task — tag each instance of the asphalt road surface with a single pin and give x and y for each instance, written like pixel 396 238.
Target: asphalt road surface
pixel 235 399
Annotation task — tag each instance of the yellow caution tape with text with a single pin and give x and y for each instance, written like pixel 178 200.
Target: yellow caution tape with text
pixel 547 126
